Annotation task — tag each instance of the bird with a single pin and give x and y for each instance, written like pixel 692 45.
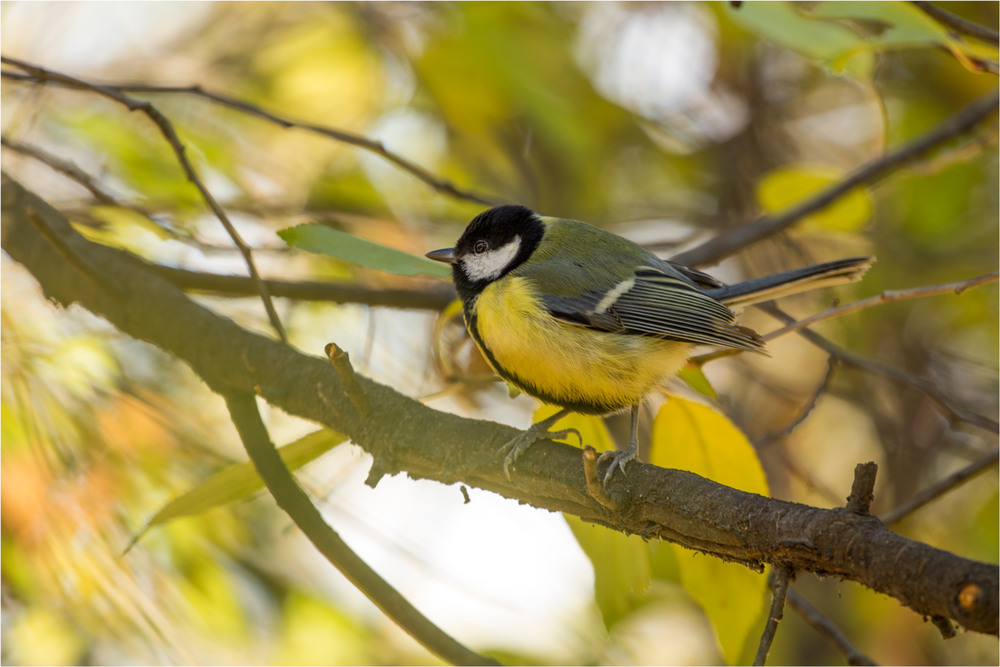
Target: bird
pixel 588 321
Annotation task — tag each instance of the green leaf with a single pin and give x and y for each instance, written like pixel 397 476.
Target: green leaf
pixel 622 568
pixel 318 238
pixel 820 33
pixel 907 27
pixel 240 480
pixel 785 187
pixel 694 377
pixel 841 49
pixel 694 437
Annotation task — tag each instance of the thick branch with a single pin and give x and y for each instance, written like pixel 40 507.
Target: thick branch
pixel 404 435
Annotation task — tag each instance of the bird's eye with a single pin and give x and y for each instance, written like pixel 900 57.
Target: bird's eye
pixel 480 247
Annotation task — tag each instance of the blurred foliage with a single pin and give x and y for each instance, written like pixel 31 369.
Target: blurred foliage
pixel 662 121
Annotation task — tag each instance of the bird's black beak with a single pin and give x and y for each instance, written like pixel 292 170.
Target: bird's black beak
pixel 446 255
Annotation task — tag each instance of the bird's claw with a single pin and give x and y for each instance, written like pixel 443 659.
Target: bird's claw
pixel 519 444
pixel 618 458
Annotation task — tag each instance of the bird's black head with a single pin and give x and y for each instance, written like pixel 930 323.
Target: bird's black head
pixel 494 243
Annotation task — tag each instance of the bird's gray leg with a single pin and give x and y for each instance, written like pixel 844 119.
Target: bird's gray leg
pixel 622 456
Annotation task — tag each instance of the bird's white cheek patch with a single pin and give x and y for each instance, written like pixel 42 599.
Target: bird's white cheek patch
pixel 490 264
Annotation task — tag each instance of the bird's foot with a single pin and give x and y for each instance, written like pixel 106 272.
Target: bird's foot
pixel 519 444
pixel 618 458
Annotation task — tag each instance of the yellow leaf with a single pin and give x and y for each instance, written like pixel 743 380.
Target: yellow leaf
pixel 783 188
pixel 694 437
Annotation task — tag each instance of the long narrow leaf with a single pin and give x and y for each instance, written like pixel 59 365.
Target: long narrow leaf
pixel 318 238
pixel 239 480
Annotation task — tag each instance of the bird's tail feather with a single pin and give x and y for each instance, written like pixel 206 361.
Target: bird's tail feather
pixel 779 285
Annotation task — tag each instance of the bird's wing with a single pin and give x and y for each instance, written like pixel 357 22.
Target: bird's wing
pixel 654 301
pixel 700 278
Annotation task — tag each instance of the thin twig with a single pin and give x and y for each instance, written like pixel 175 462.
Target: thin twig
pixel 957 23
pixel 925 387
pixel 371 145
pixel 434 298
pixel 779 589
pixel 960 153
pixel 739 237
pixel 79 176
pixel 888 296
pixel 806 410
pixel 826 629
pixel 439 184
pixel 293 500
pixel 68 169
pixel 941 487
pixel 43 75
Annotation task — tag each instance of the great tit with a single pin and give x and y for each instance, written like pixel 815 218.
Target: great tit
pixel 591 322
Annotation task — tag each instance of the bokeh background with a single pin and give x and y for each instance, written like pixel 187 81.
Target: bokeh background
pixel 664 122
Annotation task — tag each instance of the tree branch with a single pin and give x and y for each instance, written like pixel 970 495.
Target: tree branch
pixel 825 627
pixel 726 243
pixel 434 298
pixel 953 411
pixel 941 487
pixel 957 23
pixel 67 169
pixel 404 435
pixel 291 498
pixel 863 489
pixel 888 296
pixel 779 590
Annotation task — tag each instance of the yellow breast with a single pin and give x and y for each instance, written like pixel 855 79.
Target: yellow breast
pixel 565 364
